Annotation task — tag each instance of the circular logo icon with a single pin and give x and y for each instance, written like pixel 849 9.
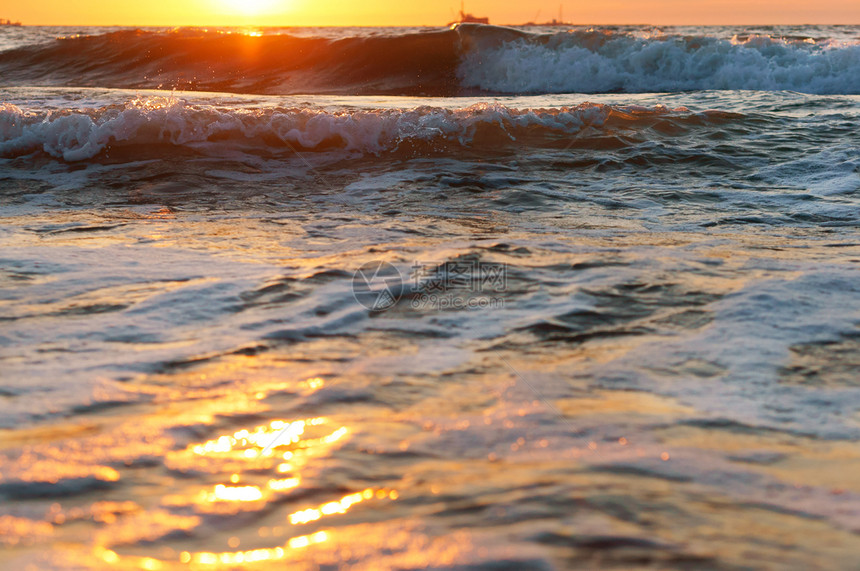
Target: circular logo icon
pixel 377 286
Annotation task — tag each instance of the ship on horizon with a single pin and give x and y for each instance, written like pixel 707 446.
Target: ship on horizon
pixel 9 23
pixel 554 22
pixel 468 18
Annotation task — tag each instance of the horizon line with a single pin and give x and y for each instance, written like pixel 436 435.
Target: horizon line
pixel 447 25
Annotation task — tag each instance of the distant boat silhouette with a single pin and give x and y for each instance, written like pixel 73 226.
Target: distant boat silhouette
pixel 555 22
pixel 468 18
pixel 8 23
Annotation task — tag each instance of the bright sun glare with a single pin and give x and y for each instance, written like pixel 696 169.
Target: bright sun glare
pixel 251 7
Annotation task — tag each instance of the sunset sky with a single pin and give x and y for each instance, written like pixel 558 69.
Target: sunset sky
pixel 397 12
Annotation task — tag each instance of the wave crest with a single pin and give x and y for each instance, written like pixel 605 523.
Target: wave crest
pixel 469 59
pixel 85 134
pixel 605 62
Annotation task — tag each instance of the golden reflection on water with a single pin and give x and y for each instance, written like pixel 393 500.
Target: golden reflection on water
pixel 284 449
pixel 261 441
pixel 340 506
pixel 254 555
pixel 278 446
pixel 224 493
pixel 285 551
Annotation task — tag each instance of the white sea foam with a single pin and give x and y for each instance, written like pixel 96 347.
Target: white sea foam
pixel 601 62
pixel 83 134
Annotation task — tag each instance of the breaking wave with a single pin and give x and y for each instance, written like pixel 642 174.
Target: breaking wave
pixel 605 62
pixel 75 135
pixel 469 59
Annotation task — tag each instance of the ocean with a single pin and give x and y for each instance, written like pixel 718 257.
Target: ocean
pixel 403 298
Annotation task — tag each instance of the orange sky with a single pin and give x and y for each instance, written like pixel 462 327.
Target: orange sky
pixel 399 12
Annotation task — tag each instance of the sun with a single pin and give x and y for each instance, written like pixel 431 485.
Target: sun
pixel 250 7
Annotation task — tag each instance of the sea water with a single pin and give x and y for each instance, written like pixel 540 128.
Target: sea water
pixel 482 298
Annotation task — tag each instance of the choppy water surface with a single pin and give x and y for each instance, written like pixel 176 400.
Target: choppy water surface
pixel 624 333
